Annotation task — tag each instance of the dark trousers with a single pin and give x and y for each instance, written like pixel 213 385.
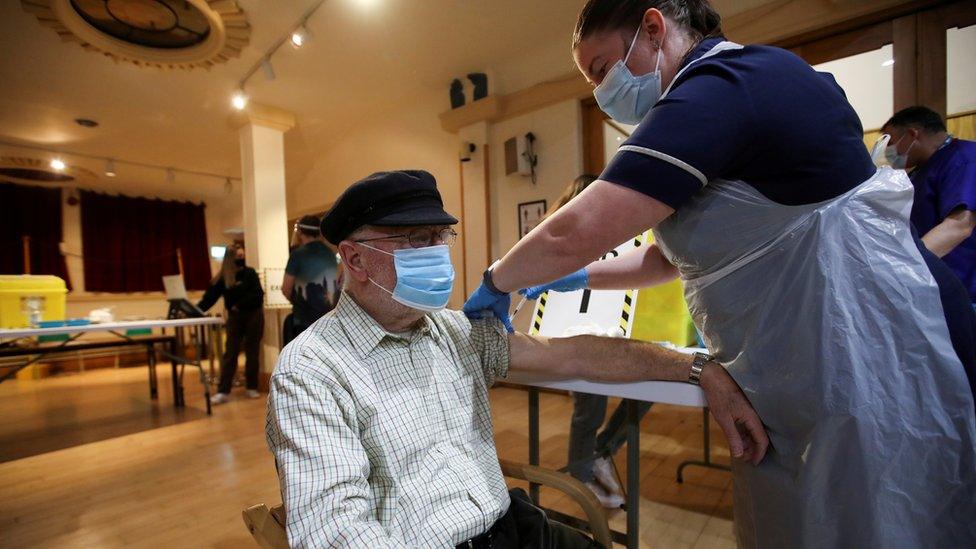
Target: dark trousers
pixel 525 526
pixel 585 445
pixel 245 327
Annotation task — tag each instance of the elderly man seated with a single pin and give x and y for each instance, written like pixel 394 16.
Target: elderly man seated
pixel 379 417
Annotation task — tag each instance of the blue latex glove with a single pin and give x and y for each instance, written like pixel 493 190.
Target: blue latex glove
pixel 568 283
pixel 483 299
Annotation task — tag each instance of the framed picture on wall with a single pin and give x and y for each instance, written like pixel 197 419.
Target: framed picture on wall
pixel 530 214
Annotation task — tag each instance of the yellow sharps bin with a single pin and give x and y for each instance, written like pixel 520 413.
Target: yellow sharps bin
pixel 19 294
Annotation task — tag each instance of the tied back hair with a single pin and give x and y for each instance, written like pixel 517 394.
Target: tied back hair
pixel 696 17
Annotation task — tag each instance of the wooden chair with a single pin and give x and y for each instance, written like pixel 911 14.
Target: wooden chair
pixel 268 525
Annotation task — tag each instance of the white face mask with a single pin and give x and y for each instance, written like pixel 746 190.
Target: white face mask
pixel 627 98
pixel 895 160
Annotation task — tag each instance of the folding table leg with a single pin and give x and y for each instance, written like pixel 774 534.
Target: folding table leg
pixel 633 474
pixel 151 362
pixel 534 439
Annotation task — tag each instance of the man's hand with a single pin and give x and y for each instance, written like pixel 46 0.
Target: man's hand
pixel 733 412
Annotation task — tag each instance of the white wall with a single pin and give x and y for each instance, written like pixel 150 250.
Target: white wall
pixel 961 72
pixel 409 139
pixel 868 82
pixel 558 145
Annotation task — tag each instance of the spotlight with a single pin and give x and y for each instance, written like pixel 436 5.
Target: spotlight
pixel 239 100
pixel 57 164
pixel 888 63
pixel 170 176
pixel 269 72
pixel 110 168
pixel 299 37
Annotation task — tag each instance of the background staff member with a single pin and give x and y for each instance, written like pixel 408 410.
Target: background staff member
pixel 800 270
pixel 943 172
pixel 240 287
pixel 310 276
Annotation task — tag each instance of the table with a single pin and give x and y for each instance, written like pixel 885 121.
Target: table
pixel 203 331
pixel 664 392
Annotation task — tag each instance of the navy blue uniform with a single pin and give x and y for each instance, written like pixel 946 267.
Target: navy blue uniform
pixel 763 116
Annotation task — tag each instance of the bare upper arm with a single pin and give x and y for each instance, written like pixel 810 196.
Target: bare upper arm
pixel 288 286
pixel 618 211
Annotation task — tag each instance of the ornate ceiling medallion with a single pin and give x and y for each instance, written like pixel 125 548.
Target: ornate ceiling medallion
pixel 19 169
pixel 154 33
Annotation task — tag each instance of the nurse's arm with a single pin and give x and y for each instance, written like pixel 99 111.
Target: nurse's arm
pixel 639 268
pixel 944 237
pixel 600 218
pixel 625 360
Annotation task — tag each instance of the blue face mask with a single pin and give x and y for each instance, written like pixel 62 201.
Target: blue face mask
pixel 425 277
pixel 627 98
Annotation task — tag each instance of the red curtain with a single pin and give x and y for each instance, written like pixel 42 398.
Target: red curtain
pixel 34 212
pixel 131 243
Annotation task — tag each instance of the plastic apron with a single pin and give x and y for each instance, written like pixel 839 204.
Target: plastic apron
pixel 828 318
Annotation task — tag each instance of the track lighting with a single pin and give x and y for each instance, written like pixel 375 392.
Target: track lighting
pixel 239 100
pixel 299 37
pixel 269 72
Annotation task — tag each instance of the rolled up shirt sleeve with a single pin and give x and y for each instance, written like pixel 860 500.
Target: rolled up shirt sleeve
pixel 490 340
pixel 699 131
pixel 322 466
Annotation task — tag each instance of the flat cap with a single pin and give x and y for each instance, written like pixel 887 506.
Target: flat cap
pixel 394 199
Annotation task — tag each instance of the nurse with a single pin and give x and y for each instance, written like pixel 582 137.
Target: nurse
pixel 800 269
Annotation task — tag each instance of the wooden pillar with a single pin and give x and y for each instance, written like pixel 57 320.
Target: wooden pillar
pixel 905 68
pixel 931 60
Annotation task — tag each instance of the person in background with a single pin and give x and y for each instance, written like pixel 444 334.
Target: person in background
pixel 590 454
pixel 310 277
pixel 240 287
pixel 943 171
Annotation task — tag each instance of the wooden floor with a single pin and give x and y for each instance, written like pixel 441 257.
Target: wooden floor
pixel 89 461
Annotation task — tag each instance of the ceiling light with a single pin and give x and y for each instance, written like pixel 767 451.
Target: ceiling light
pixel 269 72
pixel 110 168
pixel 86 122
pixel 299 37
pixel 57 164
pixel 888 63
pixel 239 100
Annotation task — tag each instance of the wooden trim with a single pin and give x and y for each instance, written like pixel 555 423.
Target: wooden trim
pixel 593 117
pixel 905 69
pixel 487 206
pixel 464 246
pixel 496 108
pixel 790 23
pixel 487 108
pixel 142 296
pixel 959 14
pixel 930 60
pixel 846 44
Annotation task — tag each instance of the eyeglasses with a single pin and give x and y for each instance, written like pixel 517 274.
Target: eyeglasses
pixel 422 238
